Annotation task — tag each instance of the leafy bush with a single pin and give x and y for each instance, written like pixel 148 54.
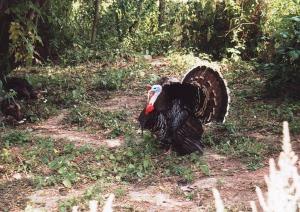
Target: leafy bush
pixel 112 80
pixel 282 43
pixel 284 72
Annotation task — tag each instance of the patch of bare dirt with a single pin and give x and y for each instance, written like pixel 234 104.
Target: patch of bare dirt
pixel 159 62
pixel 14 194
pixel 121 102
pixel 153 200
pixel 54 128
pixel 48 199
pixel 235 183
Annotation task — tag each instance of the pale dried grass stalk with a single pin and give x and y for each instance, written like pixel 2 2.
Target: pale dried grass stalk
pixel 108 206
pixel 253 206
pixel 283 182
pixel 218 201
pixel 75 208
pixel 93 205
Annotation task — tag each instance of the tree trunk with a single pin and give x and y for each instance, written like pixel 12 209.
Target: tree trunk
pixel 161 12
pixel 95 21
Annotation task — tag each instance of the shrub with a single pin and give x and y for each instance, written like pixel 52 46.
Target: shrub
pixel 282 45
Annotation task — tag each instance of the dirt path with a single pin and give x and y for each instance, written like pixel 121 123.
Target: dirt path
pixel 54 128
pixel 235 183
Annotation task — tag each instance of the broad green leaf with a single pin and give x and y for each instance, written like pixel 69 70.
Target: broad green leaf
pixel 67 183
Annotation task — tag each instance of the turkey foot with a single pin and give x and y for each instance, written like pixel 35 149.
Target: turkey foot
pixel 168 152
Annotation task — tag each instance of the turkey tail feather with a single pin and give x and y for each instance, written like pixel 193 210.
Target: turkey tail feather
pixel 212 101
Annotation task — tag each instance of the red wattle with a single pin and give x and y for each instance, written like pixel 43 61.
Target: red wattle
pixel 149 109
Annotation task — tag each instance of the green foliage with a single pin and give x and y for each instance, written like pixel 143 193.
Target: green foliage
pixel 284 72
pixel 233 143
pixel 213 27
pixel 120 78
pixel 91 193
pixel 15 138
pixel 111 80
pixel 55 161
pixel 23 33
pixel 64 87
pixel 222 28
pixel 2 92
pixel 92 117
pixel 282 25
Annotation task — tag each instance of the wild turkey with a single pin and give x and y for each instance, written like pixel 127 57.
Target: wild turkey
pixel 176 111
pixel 21 86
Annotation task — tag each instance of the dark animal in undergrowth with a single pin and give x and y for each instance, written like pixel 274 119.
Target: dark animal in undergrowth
pixel 21 86
pixel 176 111
pixel 10 107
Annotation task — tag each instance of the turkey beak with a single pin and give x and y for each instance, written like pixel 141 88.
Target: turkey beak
pixel 148 87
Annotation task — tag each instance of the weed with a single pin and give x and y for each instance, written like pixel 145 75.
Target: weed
pixel 120 192
pixel 111 80
pixel 220 182
pixel 185 172
pixel 16 138
pixel 120 78
pixel 94 192
pixel 247 149
pixel 191 195
pixel 67 205
pixel 181 62
pixel 88 116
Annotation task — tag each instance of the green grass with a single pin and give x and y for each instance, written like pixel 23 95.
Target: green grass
pixel 87 116
pixel 15 138
pixel 59 162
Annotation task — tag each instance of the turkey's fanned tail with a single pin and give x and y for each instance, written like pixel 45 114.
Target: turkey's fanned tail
pixel 213 96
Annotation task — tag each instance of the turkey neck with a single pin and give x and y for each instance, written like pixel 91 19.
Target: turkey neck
pixel 153 98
